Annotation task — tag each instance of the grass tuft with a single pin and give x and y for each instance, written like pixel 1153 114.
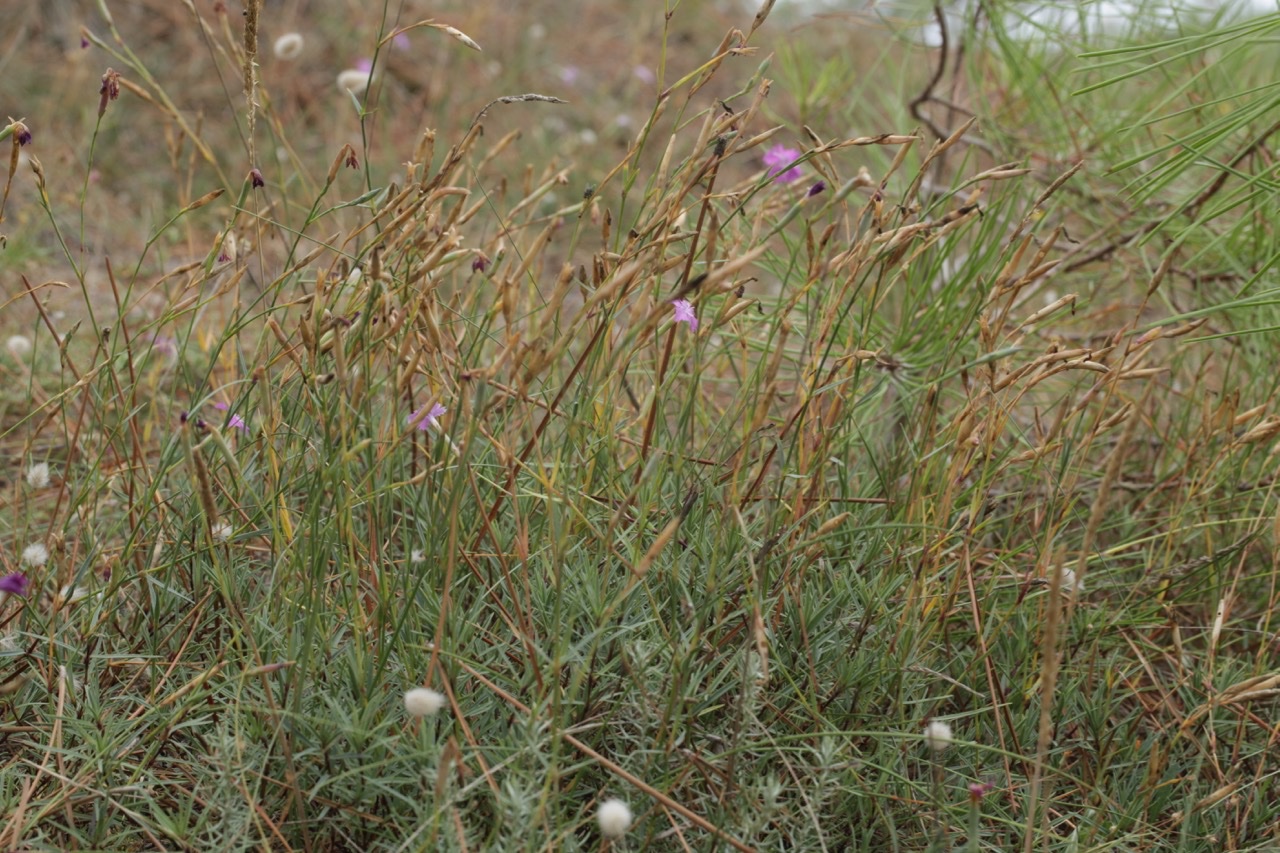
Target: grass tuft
pixel 704 436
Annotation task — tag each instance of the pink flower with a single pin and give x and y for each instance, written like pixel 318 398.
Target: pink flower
pixel 685 313
pixel 777 158
pixel 15 584
pixel 401 41
pixel 364 64
pixel 164 345
pixel 235 422
pixel 429 419
pixel 978 790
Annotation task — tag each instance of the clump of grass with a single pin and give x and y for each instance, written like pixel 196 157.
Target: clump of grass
pixel 768 486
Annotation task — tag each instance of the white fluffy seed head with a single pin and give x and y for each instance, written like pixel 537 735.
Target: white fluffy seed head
pixel 1070 580
pixel 354 80
pixel 288 46
pixel 19 346
pixel 38 475
pixel 614 817
pixel 423 702
pixel 417 556
pixel 937 735
pixel 35 554
pixel 221 531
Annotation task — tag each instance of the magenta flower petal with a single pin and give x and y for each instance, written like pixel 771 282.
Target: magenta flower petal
pixel 164 345
pixel 235 421
pixel 978 790
pixel 776 160
pixel 685 313
pixel 16 583
pixel 430 419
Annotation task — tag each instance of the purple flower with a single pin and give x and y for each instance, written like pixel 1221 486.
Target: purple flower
pixel 818 187
pixel 777 158
pixel 569 74
pixel 164 348
pixel 480 264
pixel 685 314
pixel 24 134
pixel 256 177
pixel 364 64
pixel 423 421
pixel 978 790
pixel 644 74
pixel 235 422
pixel 84 42
pixel 401 41
pixel 15 584
pixel 164 345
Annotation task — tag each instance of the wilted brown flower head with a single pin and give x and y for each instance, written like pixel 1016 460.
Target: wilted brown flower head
pixel 110 90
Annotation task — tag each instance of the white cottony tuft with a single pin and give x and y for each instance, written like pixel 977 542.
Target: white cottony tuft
pixel 19 346
pixel 937 735
pixel 1070 581
pixel 423 702
pixel 35 554
pixel 221 531
pixel 288 46
pixel 417 556
pixel 354 80
pixel 614 817
pixel 38 475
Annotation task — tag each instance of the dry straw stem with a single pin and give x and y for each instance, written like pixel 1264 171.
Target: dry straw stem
pixel 530 97
pixel 938 149
pixel 704 72
pixel 642 568
pixel 1048 688
pixel 1258 687
pixel 251 8
pixel 13 831
pixel 444 28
